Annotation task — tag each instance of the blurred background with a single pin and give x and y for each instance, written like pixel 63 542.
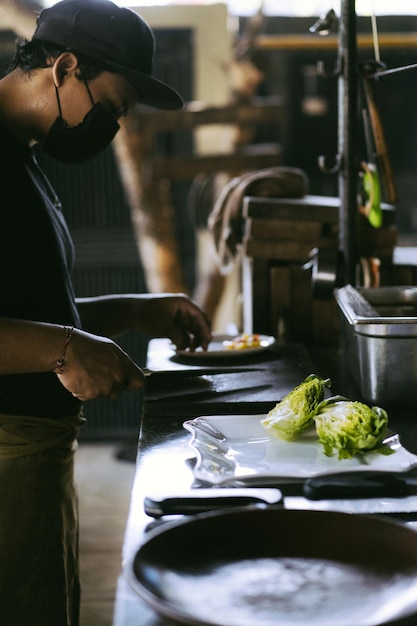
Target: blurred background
pixel 273 61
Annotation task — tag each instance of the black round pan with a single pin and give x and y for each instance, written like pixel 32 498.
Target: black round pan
pixel 270 567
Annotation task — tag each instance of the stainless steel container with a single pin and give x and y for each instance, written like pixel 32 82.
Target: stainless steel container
pixel 379 342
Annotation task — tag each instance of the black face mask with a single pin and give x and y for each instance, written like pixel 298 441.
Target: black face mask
pixel 72 144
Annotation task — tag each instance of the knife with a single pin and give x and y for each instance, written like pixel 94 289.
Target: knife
pixel 206 394
pixel 367 492
pixel 195 501
pixel 360 485
pixel 198 371
pixel 340 485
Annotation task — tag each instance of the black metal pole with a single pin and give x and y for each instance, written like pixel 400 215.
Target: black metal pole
pixel 347 138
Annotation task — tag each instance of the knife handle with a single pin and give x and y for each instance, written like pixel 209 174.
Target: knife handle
pixel 344 486
pixel 202 500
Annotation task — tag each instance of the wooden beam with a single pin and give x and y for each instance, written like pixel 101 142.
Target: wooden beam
pixel 19 16
pixel 187 167
pixel 330 42
pixel 152 217
pixel 195 114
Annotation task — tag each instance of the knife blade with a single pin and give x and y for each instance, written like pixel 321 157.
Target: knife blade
pixel 206 394
pixel 197 371
pixel 194 501
pixel 359 506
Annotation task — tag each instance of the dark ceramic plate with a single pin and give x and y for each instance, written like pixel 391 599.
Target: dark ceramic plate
pixel 273 567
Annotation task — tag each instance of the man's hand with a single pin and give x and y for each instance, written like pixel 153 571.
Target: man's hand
pixel 96 366
pixel 174 316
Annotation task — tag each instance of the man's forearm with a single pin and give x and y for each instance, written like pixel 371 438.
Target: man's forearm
pixel 28 347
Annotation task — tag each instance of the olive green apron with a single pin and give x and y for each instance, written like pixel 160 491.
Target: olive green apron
pixel 39 577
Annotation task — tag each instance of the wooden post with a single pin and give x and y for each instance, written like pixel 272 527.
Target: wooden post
pixel 152 214
pixel 20 16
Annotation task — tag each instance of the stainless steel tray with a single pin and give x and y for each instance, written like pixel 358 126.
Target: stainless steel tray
pixel 379 341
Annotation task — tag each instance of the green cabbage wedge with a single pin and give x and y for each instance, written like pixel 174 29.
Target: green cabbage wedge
pixel 350 427
pixel 290 417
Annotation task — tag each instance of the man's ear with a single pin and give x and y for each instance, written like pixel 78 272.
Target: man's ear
pixel 65 64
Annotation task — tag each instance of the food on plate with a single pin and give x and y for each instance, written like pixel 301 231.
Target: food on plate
pixel 349 427
pixel 290 417
pixel 243 342
pixel 343 427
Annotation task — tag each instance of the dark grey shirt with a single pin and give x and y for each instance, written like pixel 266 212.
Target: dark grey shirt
pixel 36 257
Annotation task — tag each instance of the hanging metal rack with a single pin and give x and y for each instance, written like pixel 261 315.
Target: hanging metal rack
pixel 347 140
pixel 347 159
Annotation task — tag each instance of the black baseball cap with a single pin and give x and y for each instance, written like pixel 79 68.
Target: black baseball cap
pixel 118 37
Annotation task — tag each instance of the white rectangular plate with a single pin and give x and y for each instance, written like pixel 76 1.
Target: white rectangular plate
pixel 232 447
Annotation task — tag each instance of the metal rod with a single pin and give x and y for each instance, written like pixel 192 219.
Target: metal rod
pixel 375 35
pixel 347 137
pixel 394 70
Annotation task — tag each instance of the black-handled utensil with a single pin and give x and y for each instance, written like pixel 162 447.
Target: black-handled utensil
pixel 200 500
pixel 360 485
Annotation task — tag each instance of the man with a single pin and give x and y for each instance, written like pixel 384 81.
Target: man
pixel 88 63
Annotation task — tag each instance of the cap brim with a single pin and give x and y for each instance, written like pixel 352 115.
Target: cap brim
pixel 150 90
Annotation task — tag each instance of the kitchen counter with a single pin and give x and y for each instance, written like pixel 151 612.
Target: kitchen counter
pixel 165 459
pixel 251 383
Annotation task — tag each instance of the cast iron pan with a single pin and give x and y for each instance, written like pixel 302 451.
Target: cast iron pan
pixel 270 567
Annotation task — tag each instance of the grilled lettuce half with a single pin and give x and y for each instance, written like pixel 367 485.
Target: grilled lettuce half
pixel 348 427
pixel 290 417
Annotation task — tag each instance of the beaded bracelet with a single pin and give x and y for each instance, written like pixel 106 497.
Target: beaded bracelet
pixel 69 331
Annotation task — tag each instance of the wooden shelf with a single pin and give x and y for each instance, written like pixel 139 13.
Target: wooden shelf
pixel 315 42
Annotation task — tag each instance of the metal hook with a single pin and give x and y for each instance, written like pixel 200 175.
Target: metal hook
pixel 325 24
pixel 337 71
pixel 332 170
